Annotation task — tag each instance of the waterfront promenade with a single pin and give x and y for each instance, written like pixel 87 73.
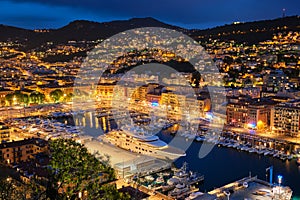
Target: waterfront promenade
pixel 264 133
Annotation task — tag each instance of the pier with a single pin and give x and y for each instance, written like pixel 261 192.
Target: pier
pixel 252 188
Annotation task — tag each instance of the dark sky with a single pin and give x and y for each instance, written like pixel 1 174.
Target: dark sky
pixel 186 13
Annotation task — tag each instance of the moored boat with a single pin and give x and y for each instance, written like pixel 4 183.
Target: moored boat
pixel 140 142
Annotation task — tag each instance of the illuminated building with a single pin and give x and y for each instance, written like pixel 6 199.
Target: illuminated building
pixel 276 81
pixel 21 151
pixel 259 115
pixel 237 113
pixel 140 93
pixel 178 105
pixel 104 92
pixel 152 97
pixel 286 118
pixel 4 133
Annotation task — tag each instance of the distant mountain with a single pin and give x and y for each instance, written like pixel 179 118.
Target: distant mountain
pixel 77 30
pixel 87 30
pixel 249 32
pixel 12 33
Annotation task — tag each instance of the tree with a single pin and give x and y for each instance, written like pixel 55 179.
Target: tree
pixel 55 95
pixel 10 189
pixel 25 99
pixel 9 98
pixel 37 97
pixel 2 103
pixel 41 98
pixel 33 97
pixel 72 170
pixel 76 170
pixel 69 97
pixel 18 96
pixel 110 192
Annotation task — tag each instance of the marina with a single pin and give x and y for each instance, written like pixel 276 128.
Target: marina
pixel 224 165
pixel 176 183
pixel 227 161
pixel 252 144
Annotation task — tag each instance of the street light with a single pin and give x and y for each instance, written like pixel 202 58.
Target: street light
pixel 279 177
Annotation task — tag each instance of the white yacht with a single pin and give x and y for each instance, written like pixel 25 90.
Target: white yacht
pixel 142 143
pixel 194 195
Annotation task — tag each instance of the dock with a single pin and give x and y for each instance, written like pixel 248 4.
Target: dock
pixel 252 188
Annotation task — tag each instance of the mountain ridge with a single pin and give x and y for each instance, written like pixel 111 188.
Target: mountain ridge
pixel 89 30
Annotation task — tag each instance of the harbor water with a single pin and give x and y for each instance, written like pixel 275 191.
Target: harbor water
pixel 221 166
pixel 224 165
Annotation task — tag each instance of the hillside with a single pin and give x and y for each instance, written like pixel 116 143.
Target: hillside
pixel 251 32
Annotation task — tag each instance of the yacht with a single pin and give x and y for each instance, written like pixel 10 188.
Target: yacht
pixel 194 195
pixel 143 143
pixel 179 190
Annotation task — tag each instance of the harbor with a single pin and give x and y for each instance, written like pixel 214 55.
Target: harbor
pixel 177 183
pixel 253 144
pixel 227 161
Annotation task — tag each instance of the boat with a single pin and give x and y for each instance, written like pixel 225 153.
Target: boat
pixel 167 187
pixel 290 157
pixel 230 145
pixel 200 138
pixel 276 155
pixel 143 143
pixel 178 190
pixel 267 152
pixel 283 157
pixel 194 195
pixel 235 145
pixel 149 178
pixel 261 151
pixel 173 181
pixel 159 180
pixel 252 150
